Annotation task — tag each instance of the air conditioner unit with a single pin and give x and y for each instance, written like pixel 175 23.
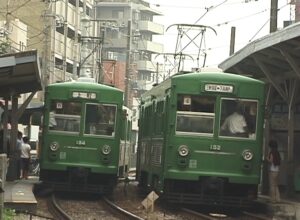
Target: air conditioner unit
pixel 58 23
pixel 110 55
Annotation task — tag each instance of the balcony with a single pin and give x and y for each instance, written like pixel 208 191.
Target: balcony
pixel 148 26
pixel 150 46
pixel 145 65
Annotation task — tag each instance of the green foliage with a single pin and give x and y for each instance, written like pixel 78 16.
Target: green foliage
pixel 4 47
pixel 9 214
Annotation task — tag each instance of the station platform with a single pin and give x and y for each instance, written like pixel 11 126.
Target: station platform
pixel 19 195
pixel 285 209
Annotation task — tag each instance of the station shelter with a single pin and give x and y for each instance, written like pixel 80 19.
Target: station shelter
pixel 275 59
pixel 19 74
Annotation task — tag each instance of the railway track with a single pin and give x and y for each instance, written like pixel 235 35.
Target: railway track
pixel 103 209
pixel 257 216
pixel 56 210
pixel 191 214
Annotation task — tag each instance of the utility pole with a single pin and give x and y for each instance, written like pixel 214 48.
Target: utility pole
pixel 273 16
pixel 157 73
pixel 127 73
pixel 297 10
pixel 100 63
pixel 76 43
pixel 65 41
pixel 232 40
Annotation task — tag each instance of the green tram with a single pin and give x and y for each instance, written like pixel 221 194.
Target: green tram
pixel 85 138
pixel 186 150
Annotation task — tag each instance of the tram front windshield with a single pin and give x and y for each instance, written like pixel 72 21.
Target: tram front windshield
pixel 64 116
pixel 99 119
pixel 195 115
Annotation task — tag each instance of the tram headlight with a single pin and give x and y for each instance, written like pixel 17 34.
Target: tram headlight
pixel 247 155
pixel 183 150
pixel 54 146
pixel 106 149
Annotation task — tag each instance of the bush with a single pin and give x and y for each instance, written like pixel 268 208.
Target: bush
pixel 9 214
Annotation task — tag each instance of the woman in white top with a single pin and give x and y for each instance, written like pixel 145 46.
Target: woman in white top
pixel 25 158
pixel 274 160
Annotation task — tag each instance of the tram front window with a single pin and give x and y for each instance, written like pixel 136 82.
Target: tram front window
pixel 195 114
pixel 100 119
pixel 64 116
pixel 238 118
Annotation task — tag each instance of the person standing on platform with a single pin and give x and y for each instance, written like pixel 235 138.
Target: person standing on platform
pixel 18 148
pixel 25 158
pixel 1 113
pixel 274 160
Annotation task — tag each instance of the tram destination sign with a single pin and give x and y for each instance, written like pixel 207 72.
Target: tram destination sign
pixel 218 88
pixel 84 95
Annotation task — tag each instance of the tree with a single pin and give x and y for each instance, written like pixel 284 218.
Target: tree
pixel 4 47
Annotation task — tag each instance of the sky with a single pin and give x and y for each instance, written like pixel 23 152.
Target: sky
pixel 250 18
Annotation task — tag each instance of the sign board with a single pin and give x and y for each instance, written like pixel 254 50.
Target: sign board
pixel 218 88
pixel 149 200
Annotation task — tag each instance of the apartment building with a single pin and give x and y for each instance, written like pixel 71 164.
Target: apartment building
pixel 71 26
pixel 128 49
pixel 128 28
pixel 110 41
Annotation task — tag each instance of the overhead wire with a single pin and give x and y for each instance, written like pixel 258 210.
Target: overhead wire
pixel 202 30
pixel 247 16
pixel 9 4
pixel 20 6
pixel 209 9
pixel 266 23
pixel 240 18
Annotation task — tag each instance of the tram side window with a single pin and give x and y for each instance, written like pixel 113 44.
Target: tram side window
pixel 158 118
pixel 238 118
pixel 64 116
pixel 195 114
pixel 100 119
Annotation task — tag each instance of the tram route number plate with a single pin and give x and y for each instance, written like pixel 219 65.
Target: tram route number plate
pixel 218 88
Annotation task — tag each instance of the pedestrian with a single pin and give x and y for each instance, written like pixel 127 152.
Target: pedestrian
pixel 18 148
pixel 274 162
pixel 1 113
pixel 25 158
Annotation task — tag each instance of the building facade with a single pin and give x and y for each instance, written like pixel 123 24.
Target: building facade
pixel 128 30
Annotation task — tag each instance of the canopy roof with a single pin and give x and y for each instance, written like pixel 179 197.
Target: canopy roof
pixel 274 58
pixel 19 73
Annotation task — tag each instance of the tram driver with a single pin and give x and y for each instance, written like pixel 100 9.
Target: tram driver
pixel 235 124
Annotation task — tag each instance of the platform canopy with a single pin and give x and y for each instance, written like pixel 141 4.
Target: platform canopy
pixel 19 73
pixel 274 58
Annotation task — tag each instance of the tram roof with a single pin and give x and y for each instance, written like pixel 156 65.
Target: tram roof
pixel 19 73
pixel 83 85
pixel 273 58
